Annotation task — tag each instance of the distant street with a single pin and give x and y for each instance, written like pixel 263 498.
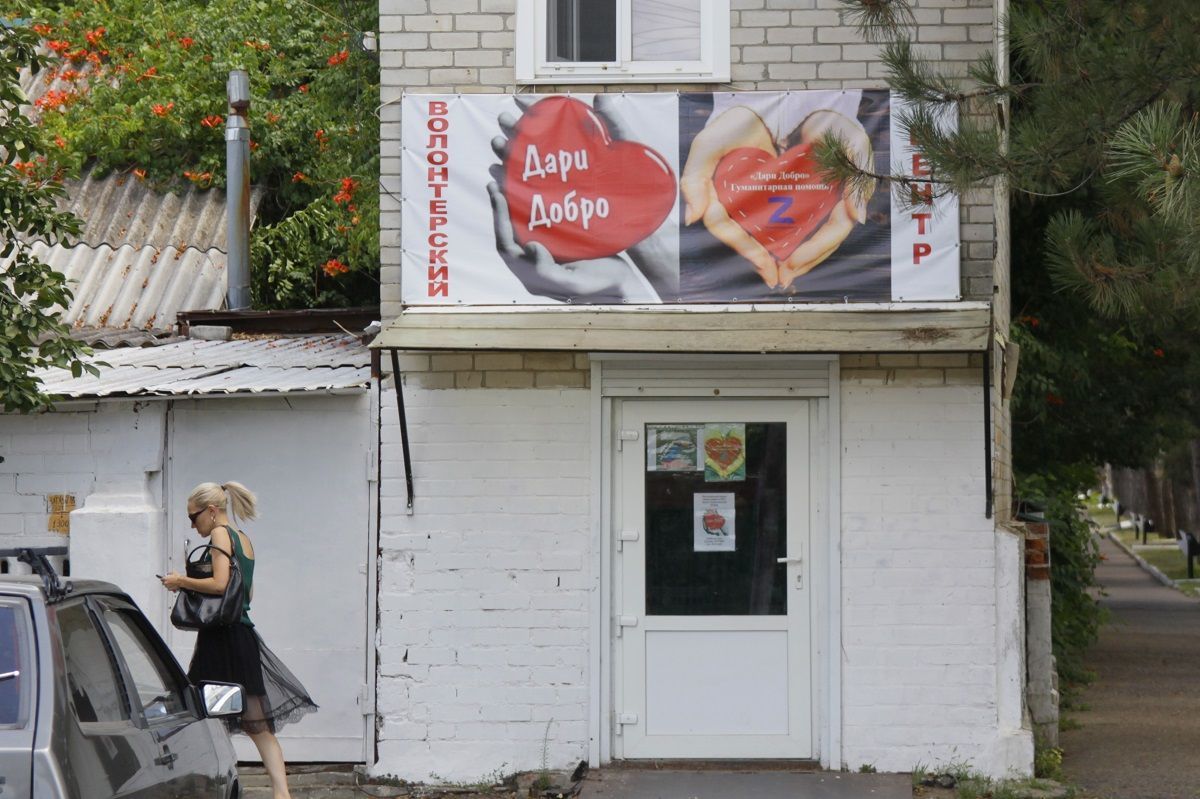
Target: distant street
pixel 1140 737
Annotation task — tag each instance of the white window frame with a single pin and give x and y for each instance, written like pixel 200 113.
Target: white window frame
pixel 533 68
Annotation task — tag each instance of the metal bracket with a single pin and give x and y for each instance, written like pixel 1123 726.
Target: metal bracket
pixel 626 435
pixel 397 379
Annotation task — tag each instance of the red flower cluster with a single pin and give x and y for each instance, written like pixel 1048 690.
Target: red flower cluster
pixel 199 178
pixel 304 88
pixel 299 177
pixel 349 186
pixel 54 99
pixel 1054 399
pixel 95 35
pixel 1158 352
pixel 186 42
pixel 334 267
pixel 1032 321
pixel 150 73
pixel 212 120
pixel 271 117
pixel 59 45
pixel 161 110
pixel 43 30
pixel 257 45
pixel 338 58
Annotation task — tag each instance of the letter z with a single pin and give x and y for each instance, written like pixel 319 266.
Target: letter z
pixel 778 218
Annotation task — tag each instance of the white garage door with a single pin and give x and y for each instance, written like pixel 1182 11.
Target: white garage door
pixel 309 461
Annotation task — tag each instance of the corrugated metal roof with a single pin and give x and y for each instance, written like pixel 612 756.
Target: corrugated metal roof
pixel 120 209
pixel 140 288
pixel 196 368
pixel 142 255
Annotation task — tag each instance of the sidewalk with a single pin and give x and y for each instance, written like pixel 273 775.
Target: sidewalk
pixel 1141 737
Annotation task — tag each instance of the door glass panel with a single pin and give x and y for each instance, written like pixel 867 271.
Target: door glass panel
pixel 158 691
pixel 91 674
pixel 713 535
pixel 14 665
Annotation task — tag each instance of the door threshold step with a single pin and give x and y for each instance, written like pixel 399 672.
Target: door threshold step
pixel 675 764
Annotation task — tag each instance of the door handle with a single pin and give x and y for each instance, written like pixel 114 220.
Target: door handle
pixel 166 759
pixel 789 560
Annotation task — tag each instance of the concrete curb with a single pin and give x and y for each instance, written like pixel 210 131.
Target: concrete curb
pixel 1151 570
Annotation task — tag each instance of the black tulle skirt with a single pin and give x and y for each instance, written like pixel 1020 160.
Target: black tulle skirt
pixel 236 653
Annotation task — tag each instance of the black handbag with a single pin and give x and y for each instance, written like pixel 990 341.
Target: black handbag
pixel 194 610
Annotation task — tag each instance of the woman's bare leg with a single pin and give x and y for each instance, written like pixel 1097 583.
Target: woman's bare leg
pixel 272 758
pixel 255 725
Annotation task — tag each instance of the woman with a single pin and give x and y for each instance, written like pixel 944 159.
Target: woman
pixel 235 653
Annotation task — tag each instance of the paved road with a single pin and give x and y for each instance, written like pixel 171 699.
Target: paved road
pixel 1141 737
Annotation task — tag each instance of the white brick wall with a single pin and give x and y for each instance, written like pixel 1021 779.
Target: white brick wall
pixel 484 590
pixel 61 453
pixel 483 634
pixel 466 46
pixel 919 580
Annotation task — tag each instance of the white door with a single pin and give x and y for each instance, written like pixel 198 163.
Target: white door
pixel 711 603
pixel 307 461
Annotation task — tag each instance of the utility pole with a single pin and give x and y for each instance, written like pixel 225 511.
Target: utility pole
pixel 237 190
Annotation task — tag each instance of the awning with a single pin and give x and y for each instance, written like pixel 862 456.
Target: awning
pixel 808 328
pixel 194 368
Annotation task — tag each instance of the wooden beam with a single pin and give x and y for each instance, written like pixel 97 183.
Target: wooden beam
pixel 965 330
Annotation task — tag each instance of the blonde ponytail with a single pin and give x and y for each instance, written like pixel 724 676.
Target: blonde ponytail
pixel 242 502
pixel 232 497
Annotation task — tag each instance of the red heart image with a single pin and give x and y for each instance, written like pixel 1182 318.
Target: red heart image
pixel 779 201
pixel 723 450
pixel 713 521
pixel 573 189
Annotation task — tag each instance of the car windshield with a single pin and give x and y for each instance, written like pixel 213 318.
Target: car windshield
pixel 12 648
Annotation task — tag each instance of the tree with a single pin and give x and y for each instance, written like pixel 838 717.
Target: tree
pixel 31 293
pixel 143 93
pixel 1103 99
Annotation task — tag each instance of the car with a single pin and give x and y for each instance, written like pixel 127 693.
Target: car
pixel 92 702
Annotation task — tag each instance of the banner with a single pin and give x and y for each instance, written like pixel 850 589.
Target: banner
pixel 648 198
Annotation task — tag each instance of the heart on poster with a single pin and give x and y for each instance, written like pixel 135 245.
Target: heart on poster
pixel 780 200
pixel 725 454
pixel 578 192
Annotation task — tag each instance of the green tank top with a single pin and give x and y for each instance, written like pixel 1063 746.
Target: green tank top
pixel 247 566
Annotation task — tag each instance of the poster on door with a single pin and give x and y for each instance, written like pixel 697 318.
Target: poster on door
pixel 673 448
pixel 650 198
pixel 724 453
pixel 714 529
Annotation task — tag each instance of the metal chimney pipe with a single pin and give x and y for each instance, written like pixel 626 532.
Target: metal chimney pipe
pixel 237 191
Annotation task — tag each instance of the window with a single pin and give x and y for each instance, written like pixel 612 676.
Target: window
pixel 15 663
pixel 154 681
pixel 92 679
pixel 653 41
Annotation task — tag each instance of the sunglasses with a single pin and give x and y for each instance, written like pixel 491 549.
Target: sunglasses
pixel 193 516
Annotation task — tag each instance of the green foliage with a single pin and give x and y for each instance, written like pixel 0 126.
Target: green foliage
pixel 1047 762
pixel 31 293
pixel 146 95
pixel 1104 99
pixel 1074 554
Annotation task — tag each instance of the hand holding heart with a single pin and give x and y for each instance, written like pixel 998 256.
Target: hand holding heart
pixel 783 234
pixel 574 256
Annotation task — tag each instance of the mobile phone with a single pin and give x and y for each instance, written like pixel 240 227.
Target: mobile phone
pixel 159 576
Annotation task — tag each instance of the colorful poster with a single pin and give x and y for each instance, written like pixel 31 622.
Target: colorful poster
pixel 724 452
pixel 715 523
pixel 648 198
pixel 673 448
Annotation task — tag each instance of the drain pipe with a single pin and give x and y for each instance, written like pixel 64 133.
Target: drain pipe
pixel 237 191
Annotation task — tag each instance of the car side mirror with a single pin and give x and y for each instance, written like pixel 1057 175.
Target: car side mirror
pixel 222 698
